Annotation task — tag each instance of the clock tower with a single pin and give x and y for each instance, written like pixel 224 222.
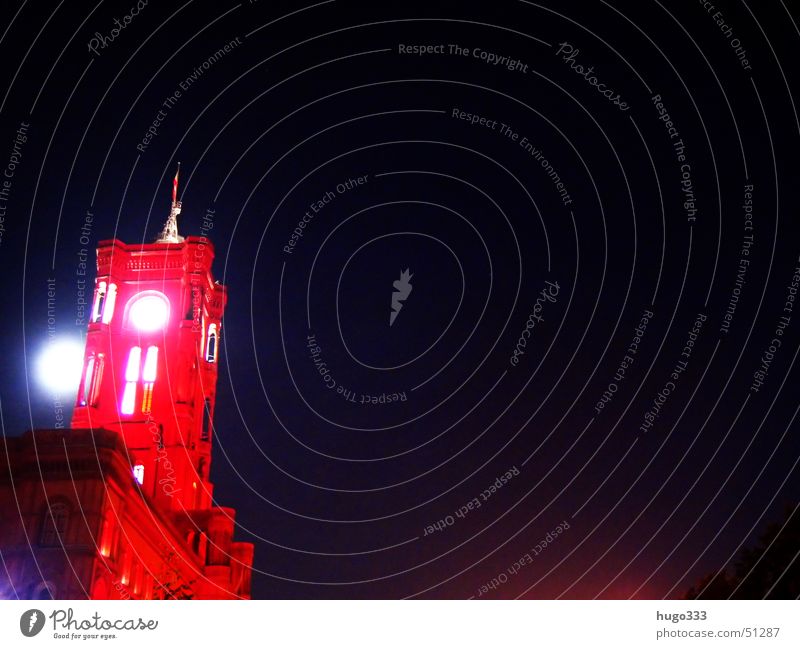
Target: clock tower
pixel 151 359
pixel 120 506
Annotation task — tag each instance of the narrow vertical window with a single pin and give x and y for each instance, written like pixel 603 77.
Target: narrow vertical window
pixel 147 398
pixel 205 431
pixel 131 378
pixel 99 300
pixel 150 365
pixel 108 304
pixel 128 399
pixel 86 388
pixel 211 345
pixel 94 386
pixel 149 377
pixel 92 377
pixel 132 368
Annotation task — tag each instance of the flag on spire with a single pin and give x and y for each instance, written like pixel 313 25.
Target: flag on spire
pixel 170 232
pixel 175 185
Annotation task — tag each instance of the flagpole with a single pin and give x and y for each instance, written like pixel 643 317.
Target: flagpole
pixel 170 232
pixel 175 186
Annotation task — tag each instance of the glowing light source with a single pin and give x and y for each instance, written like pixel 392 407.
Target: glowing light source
pixel 128 399
pixel 131 377
pixel 60 366
pixel 150 364
pixel 138 473
pixel 132 368
pixel 149 312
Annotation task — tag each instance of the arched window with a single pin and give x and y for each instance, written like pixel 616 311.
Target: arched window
pixel 93 375
pixel 148 311
pixel 94 389
pixel 88 375
pixel 54 524
pixel 205 430
pixel 108 306
pixel 99 301
pixel 211 343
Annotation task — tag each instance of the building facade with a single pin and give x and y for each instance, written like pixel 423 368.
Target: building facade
pixel 121 505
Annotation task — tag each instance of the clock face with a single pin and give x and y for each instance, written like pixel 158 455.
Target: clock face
pixel 149 312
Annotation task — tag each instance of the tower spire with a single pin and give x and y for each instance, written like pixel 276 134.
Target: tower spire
pixel 170 232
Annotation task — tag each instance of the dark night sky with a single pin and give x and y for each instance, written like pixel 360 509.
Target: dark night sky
pixel 337 495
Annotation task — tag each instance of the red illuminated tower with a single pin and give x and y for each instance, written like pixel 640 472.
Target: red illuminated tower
pixel 140 442
pixel 150 369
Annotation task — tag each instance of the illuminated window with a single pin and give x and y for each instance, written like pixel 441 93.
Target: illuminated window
pixel 147 398
pixel 94 388
pixel 148 311
pixel 132 368
pixel 138 473
pixel 150 365
pixel 54 524
pixel 131 377
pixel 108 305
pixel 99 301
pixel 91 381
pixel 211 345
pixel 128 399
pixel 87 382
pixel 149 377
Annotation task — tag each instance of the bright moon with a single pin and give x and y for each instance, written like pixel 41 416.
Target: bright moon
pixel 60 365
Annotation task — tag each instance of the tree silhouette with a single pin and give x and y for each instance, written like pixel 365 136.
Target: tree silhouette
pixel 770 570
